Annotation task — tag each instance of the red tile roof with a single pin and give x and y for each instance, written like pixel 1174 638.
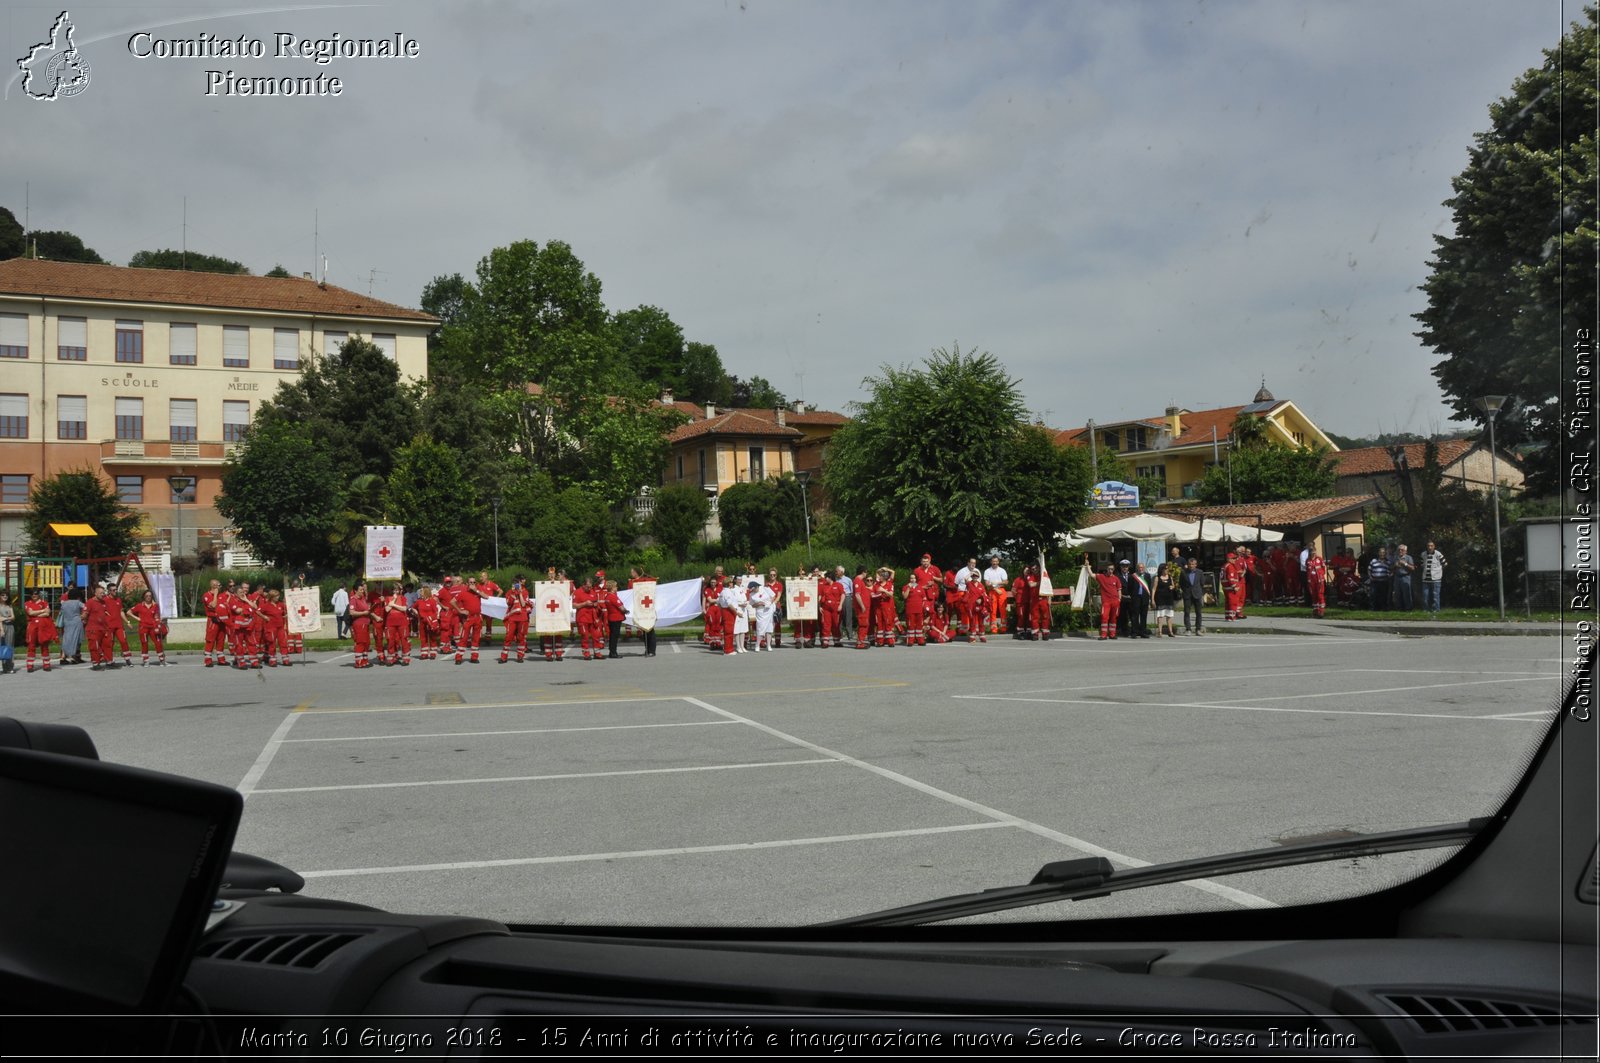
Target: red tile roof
pixel 1375 461
pixel 293 295
pixel 1196 425
pixel 731 423
pixel 1276 514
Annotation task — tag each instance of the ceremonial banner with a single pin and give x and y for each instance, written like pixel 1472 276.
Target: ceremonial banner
pixel 495 607
pixel 1080 593
pixel 800 599
pixel 385 545
pixel 304 606
pixel 552 607
pixel 675 603
pixel 1046 588
pixel 166 592
pixel 642 605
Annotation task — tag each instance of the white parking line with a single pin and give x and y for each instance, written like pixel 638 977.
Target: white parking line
pixel 529 731
pixel 1235 708
pixel 1248 900
pixel 677 648
pixel 1394 690
pixel 538 778
pixel 690 850
pixel 270 750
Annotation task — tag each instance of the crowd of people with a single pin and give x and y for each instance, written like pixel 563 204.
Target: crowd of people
pixel 99 621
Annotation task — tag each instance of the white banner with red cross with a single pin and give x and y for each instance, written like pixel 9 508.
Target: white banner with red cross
pixel 552 607
pixel 385 544
pixel 643 612
pixel 800 598
pixel 304 605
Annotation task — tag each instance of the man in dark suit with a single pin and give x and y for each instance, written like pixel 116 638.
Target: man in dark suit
pixel 1192 588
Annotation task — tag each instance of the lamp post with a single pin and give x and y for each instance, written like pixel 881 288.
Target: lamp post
pixel 805 507
pixel 495 501
pixel 1491 404
pixel 180 486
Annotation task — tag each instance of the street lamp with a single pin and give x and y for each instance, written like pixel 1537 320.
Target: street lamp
pixel 180 486
pixel 803 475
pixel 495 501
pixel 1491 404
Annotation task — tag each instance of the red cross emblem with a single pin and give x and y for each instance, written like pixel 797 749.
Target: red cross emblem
pixel 801 599
pixel 384 551
pixel 552 605
pixel 303 610
pixel 647 601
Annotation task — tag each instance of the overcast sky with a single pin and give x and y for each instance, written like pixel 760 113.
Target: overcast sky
pixel 1130 204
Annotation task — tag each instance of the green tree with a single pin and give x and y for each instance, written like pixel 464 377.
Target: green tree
pixel 569 528
pixel 703 379
pixel 79 497
pixel 365 504
pixel 430 494
pixel 62 247
pixel 283 491
pixel 278 271
pixel 757 393
pixel 650 344
pixel 761 517
pixel 678 517
pixel 193 261
pixel 443 298
pixel 1270 474
pixel 926 463
pixel 1250 432
pixel 12 242
pixel 1513 283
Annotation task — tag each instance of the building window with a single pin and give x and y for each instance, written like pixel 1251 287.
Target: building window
pixel 384 343
pixel 235 419
pixel 13 335
pixel 72 417
pixel 1158 473
pixel 1299 439
pixel 702 466
pixel 130 341
pixel 14 489
pixel 285 348
pixel 130 489
pixel 680 466
pixel 332 341
pixel 130 418
pixel 13 417
pixel 181 345
pixel 1136 439
pixel 72 339
pixel 1112 440
pixel 183 420
pixel 235 347
pixel 756 472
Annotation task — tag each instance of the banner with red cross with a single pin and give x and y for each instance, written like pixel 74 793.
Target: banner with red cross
pixel 385 544
pixel 800 598
pixel 643 614
pixel 552 607
pixel 304 605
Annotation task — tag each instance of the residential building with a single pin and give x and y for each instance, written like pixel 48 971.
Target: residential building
pixel 142 374
pixel 1176 448
pixel 1464 461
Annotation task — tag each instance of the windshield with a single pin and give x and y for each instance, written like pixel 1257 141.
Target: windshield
pixel 967 437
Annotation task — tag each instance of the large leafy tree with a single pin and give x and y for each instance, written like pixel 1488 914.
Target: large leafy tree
pixel 284 493
pixel 1511 286
pixel 62 247
pixel 79 497
pixel 678 517
pixel 650 344
pixel 1269 473
pixel 941 458
pixel 761 517
pixel 703 379
pixel 12 243
pixel 193 261
pixel 444 522
pixel 569 528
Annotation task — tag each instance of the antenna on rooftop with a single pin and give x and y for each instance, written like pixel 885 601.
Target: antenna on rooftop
pixel 183 256
pixel 316 246
pixel 372 273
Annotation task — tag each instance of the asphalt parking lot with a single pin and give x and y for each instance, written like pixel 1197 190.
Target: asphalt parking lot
pixel 797 786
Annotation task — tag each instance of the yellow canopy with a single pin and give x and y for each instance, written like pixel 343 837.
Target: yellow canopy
pixel 72 531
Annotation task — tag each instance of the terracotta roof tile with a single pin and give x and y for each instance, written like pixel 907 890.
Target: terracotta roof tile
pixel 1370 461
pixel 1278 514
pixel 732 423
pixel 1196 424
pixel 293 295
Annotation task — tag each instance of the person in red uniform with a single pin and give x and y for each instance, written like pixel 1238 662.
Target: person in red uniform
pixel 397 626
pixel 916 612
pixel 830 607
pixel 241 617
pixel 94 629
pixel 1022 606
pixel 583 606
pixel 379 601
pixel 449 620
pixel 1317 582
pixel 978 604
pixel 1110 601
pixel 361 624
pixel 216 611
pixel 148 615
pixel 1041 607
pixel 116 629
pixel 519 606
pixel 275 628
pixel 427 623
pixel 469 614
pixel 1232 586
pixel 711 593
pixel 927 572
pixel 865 613
pixel 1252 577
pixel 41 628
pixel 615 614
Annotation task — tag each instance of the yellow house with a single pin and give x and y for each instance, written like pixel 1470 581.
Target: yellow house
pixel 1177 448
pixel 146 374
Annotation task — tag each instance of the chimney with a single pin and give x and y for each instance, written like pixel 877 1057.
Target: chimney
pixel 305 276
pixel 1174 424
pixel 783 418
pixel 711 410
pixel 799 405
pixel 666 396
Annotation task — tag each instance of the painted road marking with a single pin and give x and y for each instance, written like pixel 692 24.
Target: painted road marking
pixel 541 778
pixel 248 785
pixel 1216 705
pixel 524 731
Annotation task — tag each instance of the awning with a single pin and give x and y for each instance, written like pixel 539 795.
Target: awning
pixel 72 531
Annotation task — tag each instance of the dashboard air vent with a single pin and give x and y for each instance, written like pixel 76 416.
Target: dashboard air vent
pixel 304 951
pixel 1458 1014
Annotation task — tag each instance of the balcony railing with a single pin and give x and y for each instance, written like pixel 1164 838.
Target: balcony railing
pixel 161 450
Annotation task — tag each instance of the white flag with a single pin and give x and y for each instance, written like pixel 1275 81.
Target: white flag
pixel 1046 588
pixel 552 607
pixel 643 613
pixel 166 592
pixel 800 598
pixel 304 605
pixel 1080 593
pixel 385 544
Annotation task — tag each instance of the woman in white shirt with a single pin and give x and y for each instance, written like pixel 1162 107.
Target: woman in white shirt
pixel 764 604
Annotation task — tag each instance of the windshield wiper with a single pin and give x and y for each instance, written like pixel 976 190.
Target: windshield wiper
pixel 1080 880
